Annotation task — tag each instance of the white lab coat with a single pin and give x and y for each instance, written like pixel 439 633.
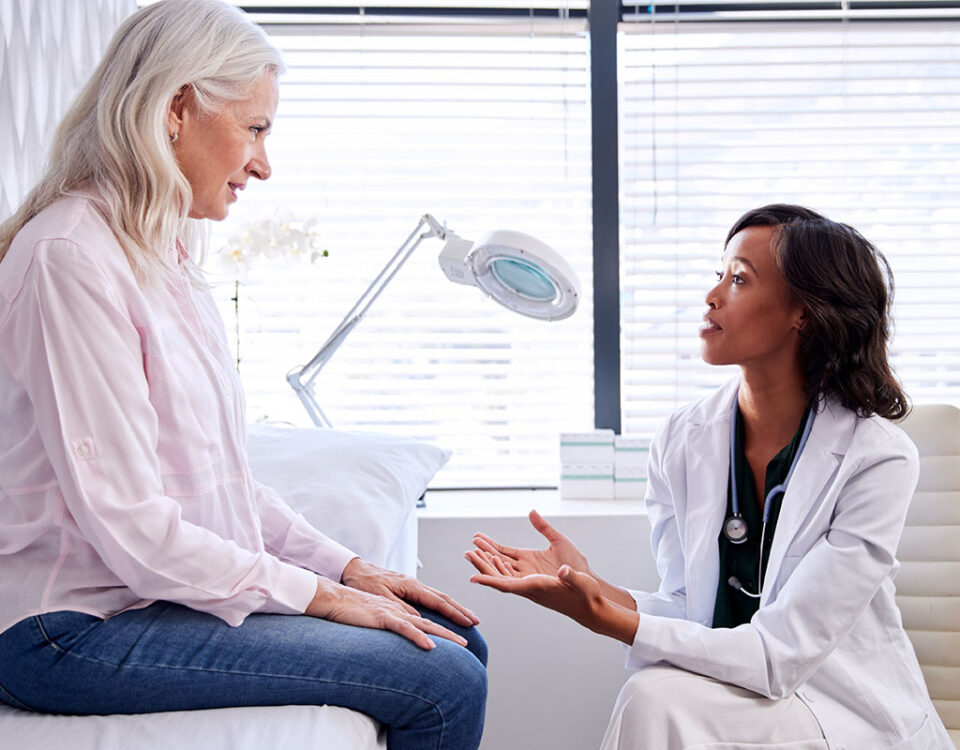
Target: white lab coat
pixel 828 628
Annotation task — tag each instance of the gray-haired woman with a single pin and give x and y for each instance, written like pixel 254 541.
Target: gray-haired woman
pixel 142 568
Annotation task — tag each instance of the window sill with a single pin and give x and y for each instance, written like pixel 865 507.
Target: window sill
pixel 495 503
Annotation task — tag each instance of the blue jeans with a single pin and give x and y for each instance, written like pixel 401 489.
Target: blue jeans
pixel 169 658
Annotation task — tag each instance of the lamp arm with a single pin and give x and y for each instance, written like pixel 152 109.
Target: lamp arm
pixel 301 379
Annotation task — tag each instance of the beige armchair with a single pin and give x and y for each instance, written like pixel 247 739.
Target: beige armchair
pixel 928 585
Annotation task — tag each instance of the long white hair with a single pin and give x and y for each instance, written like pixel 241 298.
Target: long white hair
pixel 113 142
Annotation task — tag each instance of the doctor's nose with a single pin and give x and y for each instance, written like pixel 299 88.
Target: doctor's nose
pixel 712 297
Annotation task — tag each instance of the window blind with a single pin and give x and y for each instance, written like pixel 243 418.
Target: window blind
pixel 483 128
pixel 780 11
pixel 858 120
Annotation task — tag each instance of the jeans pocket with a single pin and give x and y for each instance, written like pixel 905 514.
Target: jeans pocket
pixel 61 630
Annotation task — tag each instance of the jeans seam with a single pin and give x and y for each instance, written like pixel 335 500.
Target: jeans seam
pixel 43 632
pixel 12 700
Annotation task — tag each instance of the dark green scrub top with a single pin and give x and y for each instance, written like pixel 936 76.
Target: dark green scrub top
pixel 741 560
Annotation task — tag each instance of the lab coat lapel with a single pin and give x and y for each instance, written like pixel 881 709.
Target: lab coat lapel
pixel 815 470
pixel 708 466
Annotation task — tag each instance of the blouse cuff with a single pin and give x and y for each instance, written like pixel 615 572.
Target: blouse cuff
pixel 294 590
pixel 331 558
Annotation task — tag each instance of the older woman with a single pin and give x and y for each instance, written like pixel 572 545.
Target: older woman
pixel 776 505
pixel 142 568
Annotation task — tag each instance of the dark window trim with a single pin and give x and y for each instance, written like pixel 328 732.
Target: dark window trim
pixel 604 16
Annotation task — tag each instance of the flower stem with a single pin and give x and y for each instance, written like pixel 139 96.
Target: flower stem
pixel 236 316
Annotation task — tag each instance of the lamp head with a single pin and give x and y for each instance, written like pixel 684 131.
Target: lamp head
pixel 517 270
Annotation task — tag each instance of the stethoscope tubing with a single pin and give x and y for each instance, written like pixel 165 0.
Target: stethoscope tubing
pixel 736 519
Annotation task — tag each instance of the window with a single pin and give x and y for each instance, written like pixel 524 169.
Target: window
pixel 483 126
pixel 479 113
pixel 857 119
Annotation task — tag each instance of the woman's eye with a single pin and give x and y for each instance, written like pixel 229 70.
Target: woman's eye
pixel 737 278
pixel 719 275
pixel 256 130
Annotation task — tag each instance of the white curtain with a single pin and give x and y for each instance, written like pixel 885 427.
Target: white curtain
pixel 48 48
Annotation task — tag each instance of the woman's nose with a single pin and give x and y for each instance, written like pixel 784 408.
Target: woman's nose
pixel 713 297
pixel 259 166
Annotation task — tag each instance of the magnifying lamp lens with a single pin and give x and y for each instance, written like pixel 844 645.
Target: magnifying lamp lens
pixel 525 279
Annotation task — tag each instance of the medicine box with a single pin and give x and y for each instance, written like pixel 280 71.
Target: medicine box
pixel 586 447
pixel 586 480
pixel 629 482
pixel 631 451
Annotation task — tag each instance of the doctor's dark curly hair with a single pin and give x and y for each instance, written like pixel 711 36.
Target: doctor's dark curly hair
pixel 846 286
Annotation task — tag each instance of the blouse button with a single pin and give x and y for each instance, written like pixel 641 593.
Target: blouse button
pixel 83 450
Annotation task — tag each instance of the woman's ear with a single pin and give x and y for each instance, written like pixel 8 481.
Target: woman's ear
pixel 175 111
pixel 800 322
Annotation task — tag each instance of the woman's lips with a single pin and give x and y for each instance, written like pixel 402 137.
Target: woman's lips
pixel 708 326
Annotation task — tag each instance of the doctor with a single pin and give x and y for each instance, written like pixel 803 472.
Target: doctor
pixel 776 505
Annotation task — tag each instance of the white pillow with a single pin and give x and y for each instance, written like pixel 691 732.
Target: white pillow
pixel 357 488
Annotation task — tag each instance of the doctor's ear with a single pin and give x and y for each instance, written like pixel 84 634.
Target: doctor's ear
pixel 801 320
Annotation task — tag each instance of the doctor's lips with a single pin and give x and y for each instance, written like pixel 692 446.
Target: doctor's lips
pixel 708 326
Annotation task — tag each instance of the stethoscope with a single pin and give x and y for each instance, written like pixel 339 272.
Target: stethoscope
pixel 735 527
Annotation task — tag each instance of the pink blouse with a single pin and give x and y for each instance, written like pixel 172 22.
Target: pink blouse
pixel 123 468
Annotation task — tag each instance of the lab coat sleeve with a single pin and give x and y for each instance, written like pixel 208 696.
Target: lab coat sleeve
pixel 289 536
pixel 670 599
pixel 821 600
pixel 71 341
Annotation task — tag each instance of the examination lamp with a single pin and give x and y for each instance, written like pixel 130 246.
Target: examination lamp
pixel 515 269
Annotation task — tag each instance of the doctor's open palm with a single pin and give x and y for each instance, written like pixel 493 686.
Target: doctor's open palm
pixel 523 562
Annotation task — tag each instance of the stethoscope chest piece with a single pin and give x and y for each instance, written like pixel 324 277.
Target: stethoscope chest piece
pixel 735 529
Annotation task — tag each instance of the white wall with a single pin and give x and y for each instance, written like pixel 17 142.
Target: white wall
pixel 552 683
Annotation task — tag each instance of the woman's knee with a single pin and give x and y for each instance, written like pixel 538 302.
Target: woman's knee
pixel 476 644
pixel 457 680
pixel 464 669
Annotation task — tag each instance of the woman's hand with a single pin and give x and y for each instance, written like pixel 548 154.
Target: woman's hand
pixel 401 589
pixel 518 563
pixel 349 606
pixel 569 592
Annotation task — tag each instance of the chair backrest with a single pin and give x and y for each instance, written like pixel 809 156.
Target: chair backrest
pixel 928 585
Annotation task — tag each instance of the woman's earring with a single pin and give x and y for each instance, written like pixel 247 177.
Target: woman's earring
pixel 173 137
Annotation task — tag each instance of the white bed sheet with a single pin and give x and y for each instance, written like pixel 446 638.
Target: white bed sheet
pixel 256 728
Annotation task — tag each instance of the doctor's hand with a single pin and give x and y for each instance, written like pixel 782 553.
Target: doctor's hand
pixel 404 590
pixel 524 562
pixel 577 595
pixel 514 562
